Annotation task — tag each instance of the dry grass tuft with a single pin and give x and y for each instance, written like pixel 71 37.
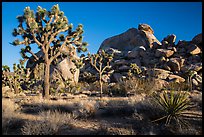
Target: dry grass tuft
pixel 51 123
pixel 9 115
pixel 86 108
pixel 133 85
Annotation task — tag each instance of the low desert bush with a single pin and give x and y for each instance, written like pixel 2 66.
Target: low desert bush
pixel 184 86
pixel 51 123
pixel 133 85
pixel 95 86
pixel 9 115
pixel 85 108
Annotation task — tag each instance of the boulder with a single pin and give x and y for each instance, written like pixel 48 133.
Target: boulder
pixel 159 73
pixel 137 52
pixel 120 62
pixel 195 82
pixel 175 78
pixel 124 68
pixel 170 39
pixel 130 39
pixel 164 52
pixel 133 54
pixel 148 33
pixel 174 64
pixel 64 70
pixel 117 77
pixel 195 67
pixel 136 61
pixel 145 27
pixel 193 49
pixel 198 78
pixel 197 39
pixel 60 70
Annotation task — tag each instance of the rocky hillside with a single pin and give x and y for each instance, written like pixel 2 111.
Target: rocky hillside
pixel 167 61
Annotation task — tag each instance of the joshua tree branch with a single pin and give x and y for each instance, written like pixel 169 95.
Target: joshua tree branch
pixel 35 39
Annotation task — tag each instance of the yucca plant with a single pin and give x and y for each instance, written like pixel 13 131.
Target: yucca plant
pixel 175 106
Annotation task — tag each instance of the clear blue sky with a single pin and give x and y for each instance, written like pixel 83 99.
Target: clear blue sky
pixel 105 19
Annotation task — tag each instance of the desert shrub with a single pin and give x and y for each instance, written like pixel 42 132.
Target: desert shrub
pixel 118 89
pixel 9 114
pixel 95 86
pixel 51 123
pixel 86 109
pixel 84 86
pixel 133 85
pixel 184 86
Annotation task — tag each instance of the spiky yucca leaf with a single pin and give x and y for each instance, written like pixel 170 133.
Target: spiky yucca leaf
pixel 174 104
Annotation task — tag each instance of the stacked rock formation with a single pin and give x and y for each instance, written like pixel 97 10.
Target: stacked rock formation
pixel 164 60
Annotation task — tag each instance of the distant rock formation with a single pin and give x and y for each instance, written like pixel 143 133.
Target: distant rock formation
pixel 164 60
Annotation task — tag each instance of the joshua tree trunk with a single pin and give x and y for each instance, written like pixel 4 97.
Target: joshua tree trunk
pixel 16 89
pixel 46 80
pixel 101 84
pixel 10 85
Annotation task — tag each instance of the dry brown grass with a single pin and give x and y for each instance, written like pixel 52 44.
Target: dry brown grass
pixel 105 129
pixel 133 85
pixel 51 123
pixel 9 115
pixel 122 115
pixel 86 108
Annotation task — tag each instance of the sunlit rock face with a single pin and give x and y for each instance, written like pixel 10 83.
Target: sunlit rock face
pixel 132 38
pixel 59 70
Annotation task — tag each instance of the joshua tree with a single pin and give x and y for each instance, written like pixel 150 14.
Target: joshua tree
pixel 190 75
pixel 135 70
pixel 97 61
pixel 6 76
pixel 50 31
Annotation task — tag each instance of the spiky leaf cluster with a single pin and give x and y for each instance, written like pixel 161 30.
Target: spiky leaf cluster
pixel 101 59
pixel 175 106
pixel 134 70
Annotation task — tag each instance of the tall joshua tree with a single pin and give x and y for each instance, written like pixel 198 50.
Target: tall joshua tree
pixel 50 31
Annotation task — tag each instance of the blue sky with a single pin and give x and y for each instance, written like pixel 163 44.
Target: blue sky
pixel 105 19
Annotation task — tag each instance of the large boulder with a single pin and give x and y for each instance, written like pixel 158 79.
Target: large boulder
pixel 149 34
pixel 59 70
pixel 170 39
pixel 143 36
pixel 193 49
pixel 164 52
pixel 197 39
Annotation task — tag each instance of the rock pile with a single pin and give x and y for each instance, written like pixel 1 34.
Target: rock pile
pixel 164 60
